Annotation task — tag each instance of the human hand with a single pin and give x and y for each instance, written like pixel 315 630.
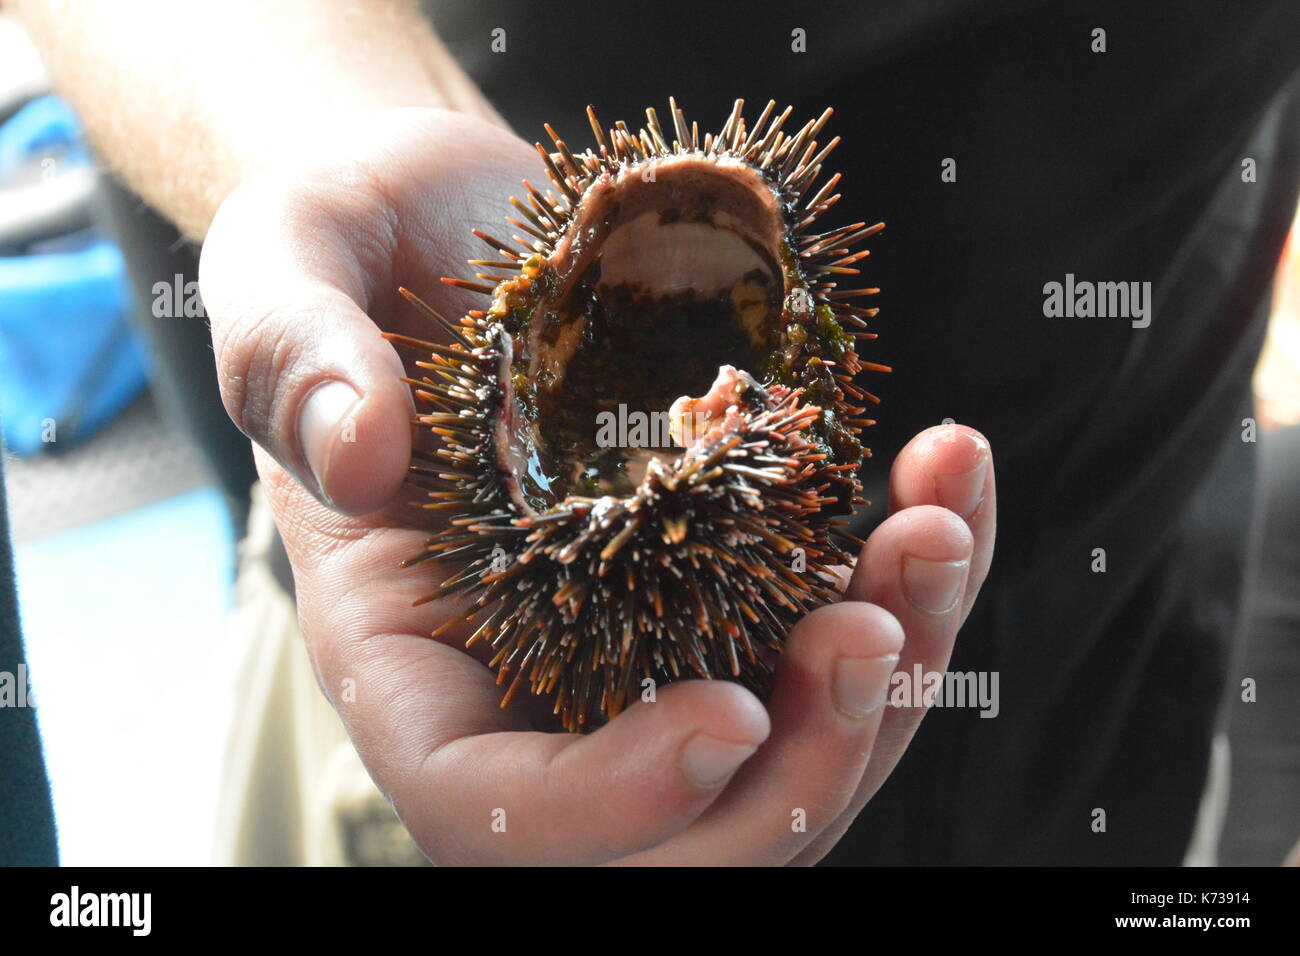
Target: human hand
pixel 299 276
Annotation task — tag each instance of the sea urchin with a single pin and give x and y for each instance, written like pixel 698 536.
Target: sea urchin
pixel 603 553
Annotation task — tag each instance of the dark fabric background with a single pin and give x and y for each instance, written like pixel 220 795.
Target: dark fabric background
pixel 1262 823
pixel 26 816
pixel 1122 166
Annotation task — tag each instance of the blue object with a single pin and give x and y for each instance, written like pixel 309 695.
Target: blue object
pixel 69 359
pixel 45 126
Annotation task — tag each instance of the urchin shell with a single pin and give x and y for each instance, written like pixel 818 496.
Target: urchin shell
pixel 700 567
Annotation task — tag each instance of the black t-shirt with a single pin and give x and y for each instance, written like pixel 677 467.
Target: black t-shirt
pixel 1117 166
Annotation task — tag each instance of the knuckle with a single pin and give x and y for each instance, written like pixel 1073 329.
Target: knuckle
pixel 259 359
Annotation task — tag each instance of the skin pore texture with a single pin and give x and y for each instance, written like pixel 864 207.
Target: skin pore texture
pixel 326 153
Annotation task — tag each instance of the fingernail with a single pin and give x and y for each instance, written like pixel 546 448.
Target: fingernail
pixel 932 586
pixel 963 493
pixel 322 410
pixel 861 684
pixel 707 761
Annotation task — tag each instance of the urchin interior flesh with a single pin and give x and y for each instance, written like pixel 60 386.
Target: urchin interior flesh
pixel 648 437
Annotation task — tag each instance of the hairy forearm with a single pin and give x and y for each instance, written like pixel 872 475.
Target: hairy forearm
pixel 186 100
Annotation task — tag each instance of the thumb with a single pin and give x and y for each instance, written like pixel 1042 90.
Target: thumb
pixel 303 370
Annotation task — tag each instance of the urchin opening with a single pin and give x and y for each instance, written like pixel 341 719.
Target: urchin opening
pixel 661 310
pixel 659 284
